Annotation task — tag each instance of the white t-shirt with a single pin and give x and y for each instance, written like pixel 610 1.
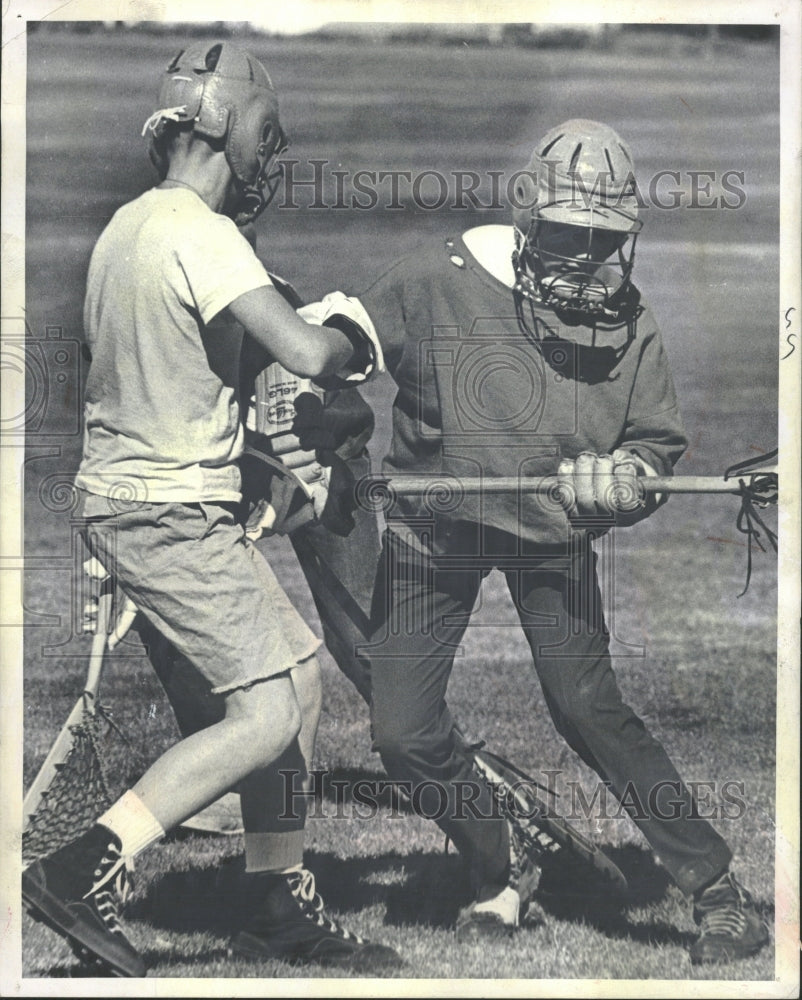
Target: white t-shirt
pixel 162 409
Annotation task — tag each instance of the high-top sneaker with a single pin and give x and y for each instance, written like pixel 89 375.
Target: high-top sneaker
pixel 77 891
pixel 730 926
pixel 291 924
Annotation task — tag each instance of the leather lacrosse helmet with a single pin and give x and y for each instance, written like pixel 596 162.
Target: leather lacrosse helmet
pixel 228 97
pixel 579 180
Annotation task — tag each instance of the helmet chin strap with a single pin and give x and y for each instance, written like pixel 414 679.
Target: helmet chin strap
pixel 252 200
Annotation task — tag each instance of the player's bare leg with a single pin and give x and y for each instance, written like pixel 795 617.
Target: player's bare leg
pixel 260 723
pixel 274 834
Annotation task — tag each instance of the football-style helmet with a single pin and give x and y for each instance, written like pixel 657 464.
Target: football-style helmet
pixel 576 221
pixel 226 96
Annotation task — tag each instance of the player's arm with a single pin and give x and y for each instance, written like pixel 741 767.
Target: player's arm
pixel 651 442
pixel 387 303
pixel 303 348
pixel 654 431
pixel 610 485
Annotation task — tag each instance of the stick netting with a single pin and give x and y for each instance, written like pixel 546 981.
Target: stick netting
pixel 77 794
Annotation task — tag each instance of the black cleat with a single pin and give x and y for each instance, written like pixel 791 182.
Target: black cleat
pixel 291 925
pixel 731 927
pixel 76 891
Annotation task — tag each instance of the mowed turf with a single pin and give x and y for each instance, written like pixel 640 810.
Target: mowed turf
pixel 697 662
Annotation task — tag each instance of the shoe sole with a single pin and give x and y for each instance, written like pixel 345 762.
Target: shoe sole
pixel 727 955
pixel 369 956
pixel 48 909
pixel 478 930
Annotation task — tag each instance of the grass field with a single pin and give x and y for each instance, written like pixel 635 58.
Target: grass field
pixel 706 681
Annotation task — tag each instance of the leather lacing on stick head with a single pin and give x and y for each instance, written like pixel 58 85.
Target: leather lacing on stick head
pixel 758 488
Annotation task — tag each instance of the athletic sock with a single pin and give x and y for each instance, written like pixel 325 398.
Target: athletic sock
pixel 134 824
pixel 278 853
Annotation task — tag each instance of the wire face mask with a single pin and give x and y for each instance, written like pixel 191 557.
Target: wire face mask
pixel 576 268
pixel 256 196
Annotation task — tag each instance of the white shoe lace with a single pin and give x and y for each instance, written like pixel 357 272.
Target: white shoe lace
pixel 302 886
pixel 724 921
pixel 170 114
pixel 111 887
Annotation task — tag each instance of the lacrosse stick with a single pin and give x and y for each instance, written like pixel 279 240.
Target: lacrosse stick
pixel 758 487
pixel 762 486
pixel 71 790
pixel 755 481
pixel 545 835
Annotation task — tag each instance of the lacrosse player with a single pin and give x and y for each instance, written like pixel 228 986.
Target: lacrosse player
pixel 305 449
pixel 172 284
pixel 526 351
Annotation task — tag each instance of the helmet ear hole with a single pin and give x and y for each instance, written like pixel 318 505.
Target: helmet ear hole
pixel 213 57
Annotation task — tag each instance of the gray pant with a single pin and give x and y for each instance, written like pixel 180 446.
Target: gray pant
pixel 422 606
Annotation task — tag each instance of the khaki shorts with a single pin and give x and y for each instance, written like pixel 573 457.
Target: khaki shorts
pixel 192 572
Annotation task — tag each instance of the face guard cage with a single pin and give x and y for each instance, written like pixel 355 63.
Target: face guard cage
pixel 568 282
pixel 256 196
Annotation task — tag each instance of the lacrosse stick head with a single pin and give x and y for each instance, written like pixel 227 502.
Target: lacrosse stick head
pixel 545 836
pixel 762 488
pixel 78 791
pixel 759 486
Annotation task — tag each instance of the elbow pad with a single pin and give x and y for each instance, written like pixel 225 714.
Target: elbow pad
pixel 347 314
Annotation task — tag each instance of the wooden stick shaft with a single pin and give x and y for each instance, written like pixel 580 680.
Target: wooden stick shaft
pixel 418 485
pixel 100 639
